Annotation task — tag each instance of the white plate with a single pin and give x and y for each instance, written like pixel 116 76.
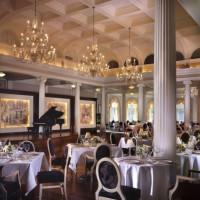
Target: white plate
pixel 129 161
pixel 166 161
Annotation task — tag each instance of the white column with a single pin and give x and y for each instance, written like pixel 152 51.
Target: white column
pixel 123 111
pixel 187 102
pixel 195 108
pixel 141 102
pixel 42 96
pixel 165 79
pixel 77 109
pixel 103 110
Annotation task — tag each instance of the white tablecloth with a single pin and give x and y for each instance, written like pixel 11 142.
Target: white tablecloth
pixel 140 141
pixel 153 180
pixel 28 168
pixel 78 155
pixel 186 162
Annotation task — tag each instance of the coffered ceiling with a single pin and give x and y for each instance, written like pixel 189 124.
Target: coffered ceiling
pixel 69 24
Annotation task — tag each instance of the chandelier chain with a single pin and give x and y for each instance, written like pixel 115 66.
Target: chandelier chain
pixel 93 63
pixel 130 72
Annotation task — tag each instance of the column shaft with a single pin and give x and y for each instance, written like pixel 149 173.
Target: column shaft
pixel 187 102
pixel 42 96
pixel 77 109
pixel 141 103
pixel 103 110
pixel 165 79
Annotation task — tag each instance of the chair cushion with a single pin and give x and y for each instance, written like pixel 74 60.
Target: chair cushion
pixel 12 188
pixel 50 177
pixel 187 191
pixel 129 193
pixel 60 161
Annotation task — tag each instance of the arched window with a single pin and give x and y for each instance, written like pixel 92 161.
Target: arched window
pixel 132 61
pixel 113 64
pixel 180 111
pixel 150 112
pixel 149 59
pixel 179 56
pixel 196 54
pixel 131 110
pixel 114 109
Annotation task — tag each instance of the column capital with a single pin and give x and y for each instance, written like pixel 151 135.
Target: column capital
pixel 140 85
pixel 42 78
pixel 78 84
pixel 188 82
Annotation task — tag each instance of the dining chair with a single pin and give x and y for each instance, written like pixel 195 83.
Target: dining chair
pixel 185 188
pixel 31 145
pixel 191 171
pixel 53 160
pixel 57 179
pixel 185 137
pixel 101 151
pixel 196 133
pixel 109 182
pixel 10 187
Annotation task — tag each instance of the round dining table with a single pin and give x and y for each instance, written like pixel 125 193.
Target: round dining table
pixel 153 179
pixel 186 161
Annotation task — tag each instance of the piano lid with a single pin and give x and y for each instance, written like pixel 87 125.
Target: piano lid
pixel 51 114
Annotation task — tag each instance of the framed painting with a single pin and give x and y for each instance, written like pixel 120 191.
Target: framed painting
pixel 87 114
pixel 16 112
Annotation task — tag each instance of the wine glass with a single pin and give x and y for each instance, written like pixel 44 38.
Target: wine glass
pixel 26 147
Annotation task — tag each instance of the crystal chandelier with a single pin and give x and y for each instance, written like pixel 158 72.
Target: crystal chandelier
pixel 130 72
pixel 33 45
pixel 194 91
pixel 93 63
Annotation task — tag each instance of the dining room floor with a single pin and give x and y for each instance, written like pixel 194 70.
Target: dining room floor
pixel 77 189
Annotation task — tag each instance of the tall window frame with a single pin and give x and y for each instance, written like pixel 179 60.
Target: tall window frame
pixel 114 111
pixel 180 107
pixel 132 110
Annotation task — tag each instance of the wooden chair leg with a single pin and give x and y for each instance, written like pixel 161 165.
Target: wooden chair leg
pixel 40 191
pixel 91 179
pixel 65 191
pixel 61 188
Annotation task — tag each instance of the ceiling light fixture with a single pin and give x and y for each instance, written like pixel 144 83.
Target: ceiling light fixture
pixel 130 72
pixel 2 74
pixel 98 89
pixel 73 85
pixel 93 63
pixel 131 87
pixel 34 44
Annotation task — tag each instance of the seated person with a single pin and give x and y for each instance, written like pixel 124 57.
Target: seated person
pixel 178 130
pixel 150 126
pixel 145 128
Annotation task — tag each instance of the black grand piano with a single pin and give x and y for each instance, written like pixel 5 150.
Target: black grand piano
pixel 49 119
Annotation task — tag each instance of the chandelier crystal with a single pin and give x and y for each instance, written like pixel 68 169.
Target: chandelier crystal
pixel 130 72
pixel 93 63
pixel 34 44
